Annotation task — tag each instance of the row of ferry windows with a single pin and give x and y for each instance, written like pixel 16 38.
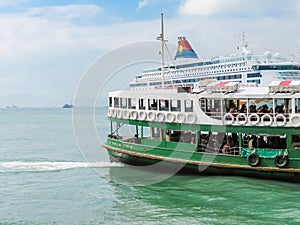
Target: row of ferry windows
pixel 268 105
pixel 151 104
pixel 207 105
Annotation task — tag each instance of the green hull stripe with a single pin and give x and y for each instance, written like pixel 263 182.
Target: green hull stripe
pixel 200 163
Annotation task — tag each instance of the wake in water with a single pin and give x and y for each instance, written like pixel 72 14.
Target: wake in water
pixel 20 166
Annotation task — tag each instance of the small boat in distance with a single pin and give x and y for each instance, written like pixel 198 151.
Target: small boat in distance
pixel 68 106
pixel 10 106
pixel 219 127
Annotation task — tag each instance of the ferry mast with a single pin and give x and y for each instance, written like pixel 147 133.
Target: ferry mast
pixel 161 37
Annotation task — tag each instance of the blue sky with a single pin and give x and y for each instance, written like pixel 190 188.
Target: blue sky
pixel 46 46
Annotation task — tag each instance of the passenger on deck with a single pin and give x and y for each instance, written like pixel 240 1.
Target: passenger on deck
pixel 243 109
pixel 271 111
pixel 252 109
pixel 265 108
pixel 259 110
pixel 279 109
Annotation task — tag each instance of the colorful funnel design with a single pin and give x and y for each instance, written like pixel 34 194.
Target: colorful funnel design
pixel 184 49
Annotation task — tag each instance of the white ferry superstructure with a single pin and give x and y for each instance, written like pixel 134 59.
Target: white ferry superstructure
pixel 187 69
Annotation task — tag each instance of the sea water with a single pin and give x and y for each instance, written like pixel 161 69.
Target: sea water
pixel 44 180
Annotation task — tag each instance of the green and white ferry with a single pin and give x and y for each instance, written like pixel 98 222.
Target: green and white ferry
pixel 219 126
pixel 248 130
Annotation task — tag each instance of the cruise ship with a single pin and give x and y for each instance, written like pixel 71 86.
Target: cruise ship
pixel 187 69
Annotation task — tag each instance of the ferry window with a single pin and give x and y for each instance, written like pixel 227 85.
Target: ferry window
pixel 156 133
pixel 260 105
pixel 283 105
pixel 152 103
pixel 296 141
pixel 228 104
pixel 264 141
pixel 116 102
pixel 213 105
pixel 123 103
pixel 163 105
pixel 110 101
pixel 142 103
pixel 175 105
pixel 297 105
pixel 131 103
pixel 188 105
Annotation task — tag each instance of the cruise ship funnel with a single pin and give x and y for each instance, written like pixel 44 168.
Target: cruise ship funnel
pixel 184 49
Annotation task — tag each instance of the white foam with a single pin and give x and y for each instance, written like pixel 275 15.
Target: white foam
pixel 22 166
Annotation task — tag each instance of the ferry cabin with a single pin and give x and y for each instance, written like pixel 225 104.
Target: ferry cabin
pixel 246 127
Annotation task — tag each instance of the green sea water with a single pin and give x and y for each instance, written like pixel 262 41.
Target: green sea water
pixel 44 180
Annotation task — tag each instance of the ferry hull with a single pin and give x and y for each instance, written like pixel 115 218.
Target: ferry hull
pixel 201 168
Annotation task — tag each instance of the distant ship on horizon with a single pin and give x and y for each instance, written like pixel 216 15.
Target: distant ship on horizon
pixel 68 106
pixel 10 106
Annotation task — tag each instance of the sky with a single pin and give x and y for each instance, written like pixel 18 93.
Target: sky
pixel 47 46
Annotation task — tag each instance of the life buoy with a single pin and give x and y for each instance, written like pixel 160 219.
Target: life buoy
pixel 126 114
pixel 295 120
pixel 190 118
pixel 267 119
pixel 280 120
pixel 242 118
pixel 228 119
pixel 253 116
pixel 160 117
pixel 108 113
pixel 180 118
pixel 281 160
pixel 133 115
pixel 119 113
pixel 142 115
pixel 113 113
pixel 151 116
pixel 253 159
pixel 170 117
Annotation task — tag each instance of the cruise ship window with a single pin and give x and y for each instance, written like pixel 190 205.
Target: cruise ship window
pixel 188 105
pixel 175 105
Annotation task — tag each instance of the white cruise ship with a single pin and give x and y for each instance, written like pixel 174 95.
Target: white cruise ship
pixel 187 69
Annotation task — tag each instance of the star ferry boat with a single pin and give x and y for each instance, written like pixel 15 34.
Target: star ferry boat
pixel 229 126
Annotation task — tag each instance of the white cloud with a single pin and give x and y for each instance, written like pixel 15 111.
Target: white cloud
pixel 238 7
pixel 298 7
pixel 204 7
pixel 67 11
pixel 12 2
pixel 142 4
pixel 45 58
